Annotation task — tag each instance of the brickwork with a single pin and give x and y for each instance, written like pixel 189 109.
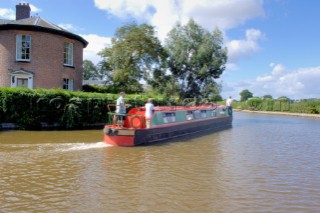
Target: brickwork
pixel 46 59
pixel 22 11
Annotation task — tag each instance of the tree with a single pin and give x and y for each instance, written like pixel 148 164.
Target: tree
pixel 267 97
pixel 284 98
pixel 254 103
pixel 135 52
pixel 163 84
pixel 245 95
pixel 196 58
pixel 90 71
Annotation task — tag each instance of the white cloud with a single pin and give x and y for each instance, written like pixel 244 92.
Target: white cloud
pixel 69 27
pixel 231 66
pixel 223 14
pixel 34 9
pixel 264 78
pixel 124 8
pixel 278 69
pixel 165 14
pixel 244 48
pixel 297 84
pixel 7 14
pixel 96 44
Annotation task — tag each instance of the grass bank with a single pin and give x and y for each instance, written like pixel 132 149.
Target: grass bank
pixel 313 116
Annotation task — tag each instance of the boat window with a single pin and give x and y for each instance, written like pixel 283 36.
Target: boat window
pixel 223 111
pixel 189 115
pixel 169 117
pixel 213 113
pixel 196 114
pixel 203 113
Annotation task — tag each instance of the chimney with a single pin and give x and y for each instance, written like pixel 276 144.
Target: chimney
pixel 22 11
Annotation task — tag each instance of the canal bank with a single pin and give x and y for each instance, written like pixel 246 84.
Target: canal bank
pixel 55 126
pixel 314 116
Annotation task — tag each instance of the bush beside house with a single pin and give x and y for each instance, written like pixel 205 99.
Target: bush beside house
pixel 31 109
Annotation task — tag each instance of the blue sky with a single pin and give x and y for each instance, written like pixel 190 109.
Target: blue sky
pixel 274 45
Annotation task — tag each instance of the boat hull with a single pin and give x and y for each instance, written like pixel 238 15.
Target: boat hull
pixel 135 137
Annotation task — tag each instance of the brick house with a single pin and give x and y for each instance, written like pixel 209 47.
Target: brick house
pixel 35 53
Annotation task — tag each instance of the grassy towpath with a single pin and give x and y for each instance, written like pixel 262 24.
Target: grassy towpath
pixel 315 116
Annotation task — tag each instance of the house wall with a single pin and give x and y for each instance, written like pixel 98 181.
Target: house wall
pixel 46 59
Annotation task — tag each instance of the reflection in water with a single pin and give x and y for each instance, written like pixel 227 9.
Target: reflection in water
pixel 263 164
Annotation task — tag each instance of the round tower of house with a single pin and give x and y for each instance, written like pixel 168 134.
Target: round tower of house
pixel 38 54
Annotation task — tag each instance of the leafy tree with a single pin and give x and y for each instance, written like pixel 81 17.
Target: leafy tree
pixel 284 103
pixel 245 95
pixel 213 91
pixel 267 97
pixel 254 103
pixel 90 70
pixel 135 53
pixel 284 98
pixel 163 84
pixel 106 71
pixel 196 58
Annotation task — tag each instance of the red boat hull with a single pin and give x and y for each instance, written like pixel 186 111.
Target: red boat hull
pixel 134 137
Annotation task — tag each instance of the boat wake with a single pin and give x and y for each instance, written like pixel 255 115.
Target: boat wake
pixel 34 149
pixel 82 146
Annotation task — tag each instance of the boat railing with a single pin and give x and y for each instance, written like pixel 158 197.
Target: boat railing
pixel 174 108
pixel 112 118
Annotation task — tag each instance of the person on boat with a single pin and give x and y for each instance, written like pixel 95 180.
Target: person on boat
pixel 149 107
pixel 120 110
pixel 229 105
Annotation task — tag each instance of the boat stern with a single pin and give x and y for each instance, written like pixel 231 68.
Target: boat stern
pixel 118 136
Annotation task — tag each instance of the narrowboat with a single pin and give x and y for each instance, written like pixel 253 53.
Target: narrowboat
pixel 167 122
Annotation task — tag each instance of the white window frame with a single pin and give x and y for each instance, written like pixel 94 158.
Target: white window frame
pixel 68 54
pixel 68 84
pixel 23 47
pixel 169 117
pixel 189 115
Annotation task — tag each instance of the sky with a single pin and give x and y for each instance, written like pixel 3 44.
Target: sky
pixel 273 45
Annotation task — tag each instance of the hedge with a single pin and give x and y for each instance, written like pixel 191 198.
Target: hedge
pixel 29 109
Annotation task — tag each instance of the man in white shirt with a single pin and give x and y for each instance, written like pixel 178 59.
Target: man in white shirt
pixel 120 109
pixel 229 105
pixel 149 107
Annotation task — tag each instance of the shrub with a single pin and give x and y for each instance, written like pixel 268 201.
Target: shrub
pixel 254 103
pixel 29 108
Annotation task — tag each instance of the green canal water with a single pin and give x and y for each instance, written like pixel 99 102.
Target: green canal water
pixel 264 163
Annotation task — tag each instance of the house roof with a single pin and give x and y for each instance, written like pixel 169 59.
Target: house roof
pixel 39 24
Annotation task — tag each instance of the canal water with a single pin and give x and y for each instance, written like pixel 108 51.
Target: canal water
pixel 264 163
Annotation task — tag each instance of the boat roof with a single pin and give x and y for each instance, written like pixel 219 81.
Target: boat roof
pixel 183 108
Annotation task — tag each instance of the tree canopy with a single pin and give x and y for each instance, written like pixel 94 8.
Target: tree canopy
pixel 90 71
pixel 245 95
pixel 186 66
pixel 135 53
pixel 267 97
pixel 196 58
